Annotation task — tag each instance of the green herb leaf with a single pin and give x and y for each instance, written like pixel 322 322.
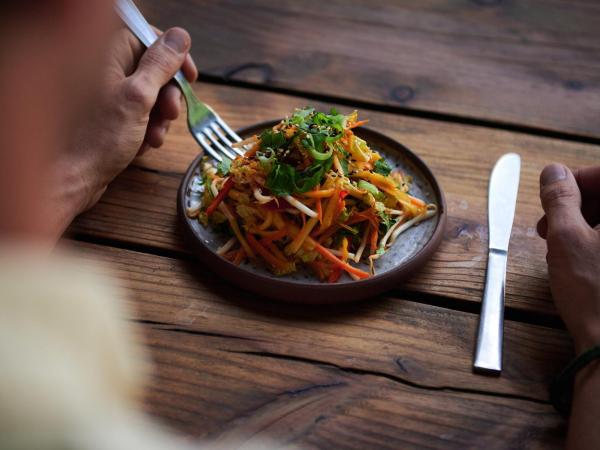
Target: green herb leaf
pixel 285 180
pixel 311 176
pixel 224 166
pixel 281 179
pixel 382 167
pixel 299 117
pixel 270 139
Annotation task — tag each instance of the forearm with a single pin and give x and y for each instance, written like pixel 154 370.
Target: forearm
pixel 584 426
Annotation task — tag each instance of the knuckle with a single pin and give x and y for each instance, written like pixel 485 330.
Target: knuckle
pixel 138 92
pixel 161 57
pixel 557 193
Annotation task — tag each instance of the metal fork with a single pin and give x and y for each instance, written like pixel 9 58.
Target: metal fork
pixel 209 130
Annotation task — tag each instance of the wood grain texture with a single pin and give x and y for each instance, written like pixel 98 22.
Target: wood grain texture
pixel 413 343
pixel 140 206
pixel 533 63
pixel 205 386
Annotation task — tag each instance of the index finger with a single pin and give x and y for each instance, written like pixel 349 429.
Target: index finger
pixel 588 180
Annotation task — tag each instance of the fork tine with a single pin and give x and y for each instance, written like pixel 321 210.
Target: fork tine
pixel 201 139
pixel 227 142
pixel 228 130
pixel 217 144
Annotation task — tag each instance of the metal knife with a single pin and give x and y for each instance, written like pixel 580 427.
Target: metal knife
pixel 502 200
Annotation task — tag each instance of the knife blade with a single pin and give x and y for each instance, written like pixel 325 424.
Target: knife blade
pixel 502 201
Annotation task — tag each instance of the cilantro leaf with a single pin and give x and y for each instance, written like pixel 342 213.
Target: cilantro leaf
pixel 224 166
pixel 285 180
pixel 311 176
pixel 281 179
pixel 299 117
pixel 382 167
pixel 272 139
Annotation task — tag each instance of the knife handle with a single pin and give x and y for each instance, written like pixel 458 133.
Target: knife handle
pixel 488 355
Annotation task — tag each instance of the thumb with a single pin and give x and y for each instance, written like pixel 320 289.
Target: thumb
pixel 561 199
pixel 161 61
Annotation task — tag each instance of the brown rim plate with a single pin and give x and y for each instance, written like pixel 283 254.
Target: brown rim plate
pixel 404 257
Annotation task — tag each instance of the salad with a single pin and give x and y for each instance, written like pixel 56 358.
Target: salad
pixel 309 193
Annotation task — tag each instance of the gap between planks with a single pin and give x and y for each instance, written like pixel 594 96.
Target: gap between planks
pixel 349 370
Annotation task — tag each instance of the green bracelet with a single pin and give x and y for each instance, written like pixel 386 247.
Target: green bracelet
pixel 561 389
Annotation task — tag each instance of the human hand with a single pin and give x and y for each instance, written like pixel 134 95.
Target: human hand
pixel 571 227
pixel 136 104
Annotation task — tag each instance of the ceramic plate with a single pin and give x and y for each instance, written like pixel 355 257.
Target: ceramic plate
pixel 406 255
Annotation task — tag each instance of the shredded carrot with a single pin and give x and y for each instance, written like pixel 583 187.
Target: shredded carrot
pixel 374 236
pixel 230 255
pixel 329 212
pixel 417 201
pixel 239 257
pixel 295 245
pixel 264 253
pixel 220 196
pixel 388 186
pixel 236 230
pixel 341 203
pixel 273 235
pixel 319 211
pixel 324 193
pixel 360 216
pixel 268 220
pixel 360 123
pixel 271 246
pixel 338 262
pixel 278 221
pixel 250 153
pixel 330 232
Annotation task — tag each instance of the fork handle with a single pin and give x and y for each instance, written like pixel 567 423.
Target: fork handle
pixel 140 27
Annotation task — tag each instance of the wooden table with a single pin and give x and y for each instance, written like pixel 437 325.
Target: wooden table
pixel 460 83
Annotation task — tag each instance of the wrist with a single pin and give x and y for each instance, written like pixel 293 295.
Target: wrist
pixel 578 374
pixel 72 193
pixel 589 374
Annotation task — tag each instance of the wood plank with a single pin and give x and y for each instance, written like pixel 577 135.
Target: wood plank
pixel 534 63
pixel 204 387
pixel 140 206
pixel 415 343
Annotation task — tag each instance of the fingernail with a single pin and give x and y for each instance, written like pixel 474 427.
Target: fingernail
pixel 552 173
pixel 177 40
